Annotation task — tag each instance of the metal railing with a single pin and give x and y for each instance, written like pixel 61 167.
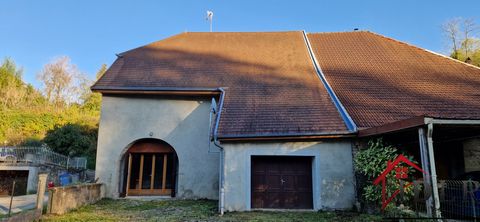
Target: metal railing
pixel 459 199
pixel 32 155
pixel 77 163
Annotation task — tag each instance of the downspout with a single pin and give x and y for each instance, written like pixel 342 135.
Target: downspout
pixel 221 173
pixel 433 170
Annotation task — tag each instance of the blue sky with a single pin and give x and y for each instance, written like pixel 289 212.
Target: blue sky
pixel 92 31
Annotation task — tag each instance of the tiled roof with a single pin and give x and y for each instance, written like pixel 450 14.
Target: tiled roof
pixel 380 80
pixel 271 86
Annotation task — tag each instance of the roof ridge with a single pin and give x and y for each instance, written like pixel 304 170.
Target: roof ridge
pixel 420 48
pixel 187 32
pixel 248 32
pixel 337 32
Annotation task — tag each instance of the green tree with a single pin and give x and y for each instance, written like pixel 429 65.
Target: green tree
pixel 92 101
pixel 12 88
pixel 74 140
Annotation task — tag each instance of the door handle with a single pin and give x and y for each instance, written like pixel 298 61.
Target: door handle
pixel 282 181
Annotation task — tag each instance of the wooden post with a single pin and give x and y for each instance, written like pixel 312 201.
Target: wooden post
pixel 141 172
pixel 42 183
pixel 11 198
pixel 129 173
pixel 152 177
pixel 164 178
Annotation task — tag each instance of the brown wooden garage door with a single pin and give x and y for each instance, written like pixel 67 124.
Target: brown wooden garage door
pixel 282 182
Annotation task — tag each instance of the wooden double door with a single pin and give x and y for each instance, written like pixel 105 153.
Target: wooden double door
pixel 281 182
pixel 151 174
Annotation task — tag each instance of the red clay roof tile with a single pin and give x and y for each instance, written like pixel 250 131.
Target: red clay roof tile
pixel 380 80
pixel 272 87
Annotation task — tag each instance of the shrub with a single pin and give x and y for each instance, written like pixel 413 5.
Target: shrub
pixel 371 162
pixel 74 140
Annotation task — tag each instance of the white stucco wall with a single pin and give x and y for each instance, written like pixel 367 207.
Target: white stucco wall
pixel 182 123
pixel 332 169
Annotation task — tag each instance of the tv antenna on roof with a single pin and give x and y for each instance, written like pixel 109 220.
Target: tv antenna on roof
pixel 210 18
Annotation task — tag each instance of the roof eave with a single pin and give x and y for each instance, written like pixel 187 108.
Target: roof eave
pixel 286 137
pixel 393 127
pixel 194 91
pixel 414 122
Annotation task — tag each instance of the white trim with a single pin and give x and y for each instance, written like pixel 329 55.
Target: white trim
pixel 429 120
pixel 433 171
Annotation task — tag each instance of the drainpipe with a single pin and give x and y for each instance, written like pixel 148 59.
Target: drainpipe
pixel 221 173
pixel 433 170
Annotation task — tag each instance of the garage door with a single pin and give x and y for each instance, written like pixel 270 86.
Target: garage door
pixel 282 182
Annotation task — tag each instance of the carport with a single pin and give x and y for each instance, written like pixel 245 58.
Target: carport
pixel 446 148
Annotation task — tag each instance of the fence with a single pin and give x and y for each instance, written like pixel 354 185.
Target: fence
pixel 34 155
pixel 39 155
pixel 459 199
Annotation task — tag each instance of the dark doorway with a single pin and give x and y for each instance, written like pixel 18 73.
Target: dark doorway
pixel 6 180
pixel 282 182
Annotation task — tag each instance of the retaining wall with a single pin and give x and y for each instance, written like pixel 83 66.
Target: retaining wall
pixel 63 199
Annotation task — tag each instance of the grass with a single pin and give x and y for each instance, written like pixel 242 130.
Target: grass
pixel 190 210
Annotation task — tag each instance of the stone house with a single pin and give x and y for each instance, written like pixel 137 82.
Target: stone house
pixel 268 119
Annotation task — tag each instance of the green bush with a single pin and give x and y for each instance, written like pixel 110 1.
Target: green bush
pixel 74 140
pixel 371 162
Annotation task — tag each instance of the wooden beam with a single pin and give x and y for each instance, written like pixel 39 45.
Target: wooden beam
pixel 141 172
pixel 148 192
pixel 129 173
pixel 152 177
pixel 164 178
pixel 392 127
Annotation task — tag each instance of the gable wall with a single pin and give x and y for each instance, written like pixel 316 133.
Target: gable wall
pixel 183 123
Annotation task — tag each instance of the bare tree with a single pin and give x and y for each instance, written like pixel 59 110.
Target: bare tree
pixel 451 28
pixel 465 45
pixel 61 80
pixel 469 28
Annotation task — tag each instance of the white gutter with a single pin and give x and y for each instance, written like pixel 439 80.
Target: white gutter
pixel 429 120
pixel 221 173
pixel 351 126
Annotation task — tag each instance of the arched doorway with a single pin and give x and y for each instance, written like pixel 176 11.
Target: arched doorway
pixel 151 167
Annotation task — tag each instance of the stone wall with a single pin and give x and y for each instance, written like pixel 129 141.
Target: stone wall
pixel 63 199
